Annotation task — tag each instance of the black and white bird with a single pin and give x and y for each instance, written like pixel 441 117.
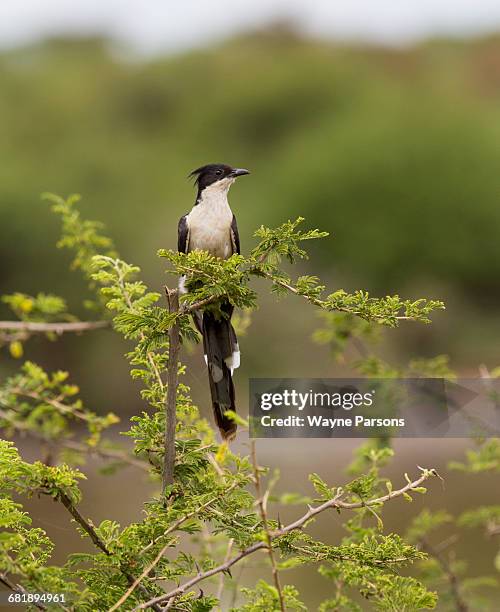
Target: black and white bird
pixel 211 226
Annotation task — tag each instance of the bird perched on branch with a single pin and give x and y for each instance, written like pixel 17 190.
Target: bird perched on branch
pixel 211 226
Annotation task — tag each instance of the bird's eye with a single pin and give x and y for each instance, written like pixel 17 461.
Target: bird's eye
pixel 218 172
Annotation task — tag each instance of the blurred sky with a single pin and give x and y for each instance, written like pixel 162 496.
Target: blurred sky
pixel 158 25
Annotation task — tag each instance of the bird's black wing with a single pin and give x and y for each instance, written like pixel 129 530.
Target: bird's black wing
pixel 235 237
pixel 183 235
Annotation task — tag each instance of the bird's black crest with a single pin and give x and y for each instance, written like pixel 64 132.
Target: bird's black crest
pixel 204 176
pixel 211 173
pixel 209 168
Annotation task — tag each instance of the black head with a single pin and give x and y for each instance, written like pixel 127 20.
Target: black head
pixel 213 173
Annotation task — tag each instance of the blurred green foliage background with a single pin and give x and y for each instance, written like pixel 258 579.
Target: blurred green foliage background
pixel 396 152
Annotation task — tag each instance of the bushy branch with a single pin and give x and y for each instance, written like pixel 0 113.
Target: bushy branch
pixel 82 236
pixel 146 563
pixel 211 279
pixel 46 313
pixel 399 553
pixel 45 406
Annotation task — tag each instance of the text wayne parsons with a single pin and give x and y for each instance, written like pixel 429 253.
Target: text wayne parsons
pixel 332 423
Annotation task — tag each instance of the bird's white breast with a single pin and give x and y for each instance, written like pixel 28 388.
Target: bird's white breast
pixel 210 221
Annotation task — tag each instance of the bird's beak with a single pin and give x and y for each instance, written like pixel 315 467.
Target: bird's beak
pixel 239 172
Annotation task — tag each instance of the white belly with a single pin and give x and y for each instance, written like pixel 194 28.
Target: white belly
pixel 210 227
pixel 216 241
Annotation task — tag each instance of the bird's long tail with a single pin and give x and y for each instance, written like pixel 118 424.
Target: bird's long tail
pixel 222 355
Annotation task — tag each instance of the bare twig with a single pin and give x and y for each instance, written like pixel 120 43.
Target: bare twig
pixel 336 503
pixel 189 308
pixel 58 328
pixel 86 526
pixel 261 502
pixel 172 382
pixel 203 576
